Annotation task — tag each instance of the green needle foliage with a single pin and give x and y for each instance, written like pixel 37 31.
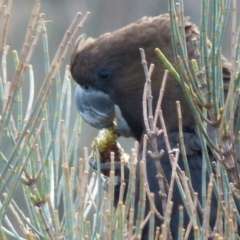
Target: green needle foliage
pixel 40 150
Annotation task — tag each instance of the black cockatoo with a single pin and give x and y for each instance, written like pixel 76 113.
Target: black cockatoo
pixel 110 81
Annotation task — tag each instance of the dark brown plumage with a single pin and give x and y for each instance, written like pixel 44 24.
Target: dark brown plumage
pixel 119 51
pixel 110 66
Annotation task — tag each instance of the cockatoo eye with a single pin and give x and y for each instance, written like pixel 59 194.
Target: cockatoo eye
pixel 104 74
